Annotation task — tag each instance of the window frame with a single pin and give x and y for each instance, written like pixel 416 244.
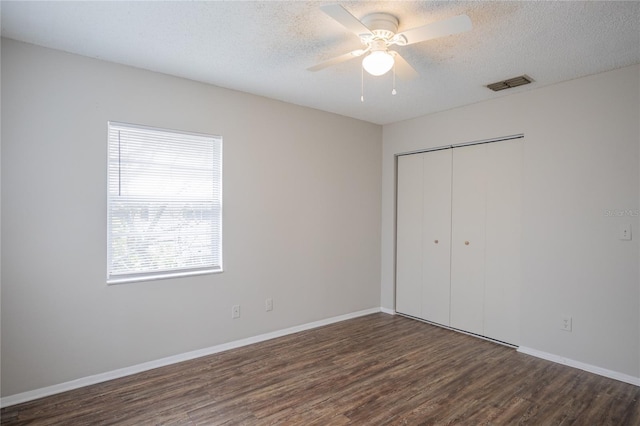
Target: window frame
pixel 216 266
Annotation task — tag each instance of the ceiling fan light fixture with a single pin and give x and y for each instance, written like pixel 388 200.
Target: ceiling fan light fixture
pixel 378 62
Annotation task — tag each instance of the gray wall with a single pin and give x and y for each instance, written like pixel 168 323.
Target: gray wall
pixel 301 218
pixel 581 152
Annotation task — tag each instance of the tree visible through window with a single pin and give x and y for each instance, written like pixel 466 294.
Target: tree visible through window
pixel 164 203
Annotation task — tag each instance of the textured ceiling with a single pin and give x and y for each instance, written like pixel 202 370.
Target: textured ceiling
pixel 265 47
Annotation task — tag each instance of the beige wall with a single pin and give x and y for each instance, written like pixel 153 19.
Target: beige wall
pixel 301 218
pixel 581 151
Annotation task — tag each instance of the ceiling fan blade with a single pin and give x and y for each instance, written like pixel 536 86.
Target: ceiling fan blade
pixel 349 21
pixel 337 60
pixel 455 25
pixel 403 69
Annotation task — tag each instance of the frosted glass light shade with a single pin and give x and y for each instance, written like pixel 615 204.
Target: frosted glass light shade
pixel 377 62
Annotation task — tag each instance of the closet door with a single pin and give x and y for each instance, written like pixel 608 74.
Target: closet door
pixel 458 238
pixel 436 236
pixel 468 238
pixel 424 236
pixel 409 235
pixel 503 236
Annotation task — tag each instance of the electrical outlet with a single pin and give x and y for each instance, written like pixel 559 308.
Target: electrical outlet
pixel 566 323
pixel 235 311
pixel 268 304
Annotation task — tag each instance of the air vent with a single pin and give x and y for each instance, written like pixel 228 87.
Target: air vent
pixel 512 82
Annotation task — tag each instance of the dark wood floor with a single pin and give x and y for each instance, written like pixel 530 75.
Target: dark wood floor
pixel 374 370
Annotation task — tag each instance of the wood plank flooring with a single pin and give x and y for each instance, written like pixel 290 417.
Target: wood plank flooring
pixel 373 370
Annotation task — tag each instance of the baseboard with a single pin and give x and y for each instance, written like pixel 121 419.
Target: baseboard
pixel 582 366
pixel 388 311
pixel 138 368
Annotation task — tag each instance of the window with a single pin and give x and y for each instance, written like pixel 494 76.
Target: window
pixel 164 203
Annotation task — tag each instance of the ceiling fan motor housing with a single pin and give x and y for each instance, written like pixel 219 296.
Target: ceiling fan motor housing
pixel 382 25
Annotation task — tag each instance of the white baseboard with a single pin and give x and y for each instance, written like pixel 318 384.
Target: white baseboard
pixel 127 371
pixel 138 368
pixel 582 366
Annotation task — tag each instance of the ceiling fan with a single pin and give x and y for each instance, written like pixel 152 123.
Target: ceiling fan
pixel 379 31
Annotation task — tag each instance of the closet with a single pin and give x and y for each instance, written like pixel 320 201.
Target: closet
pixel 458 238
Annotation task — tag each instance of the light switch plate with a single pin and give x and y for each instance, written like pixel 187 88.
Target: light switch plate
pixel 625 231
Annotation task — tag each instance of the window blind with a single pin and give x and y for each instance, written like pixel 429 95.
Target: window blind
pixel 164 203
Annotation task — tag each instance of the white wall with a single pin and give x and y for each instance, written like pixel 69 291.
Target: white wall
pixel 581 158
pixel 301 218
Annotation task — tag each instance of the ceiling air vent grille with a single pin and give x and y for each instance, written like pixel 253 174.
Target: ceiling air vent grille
pixel 512 82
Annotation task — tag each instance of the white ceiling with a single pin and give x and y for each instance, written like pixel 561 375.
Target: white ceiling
pixel 265 47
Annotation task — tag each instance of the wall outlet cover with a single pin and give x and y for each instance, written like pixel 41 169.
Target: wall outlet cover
pixel 235 311
pixel 566 323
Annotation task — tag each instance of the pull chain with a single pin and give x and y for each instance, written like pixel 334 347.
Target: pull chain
pixel 393 91
pixel 361 84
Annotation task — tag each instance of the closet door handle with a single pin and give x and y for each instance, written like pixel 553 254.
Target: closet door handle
pixel 466 243
pixel 436 241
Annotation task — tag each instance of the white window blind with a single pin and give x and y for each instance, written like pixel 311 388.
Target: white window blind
pixel 164 203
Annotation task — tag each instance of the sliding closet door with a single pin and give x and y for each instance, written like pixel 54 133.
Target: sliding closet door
pixel 458 238
pixel 468 238
pixel 409 236
pixel 503 236
pixel 424 236
pixel 436 236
